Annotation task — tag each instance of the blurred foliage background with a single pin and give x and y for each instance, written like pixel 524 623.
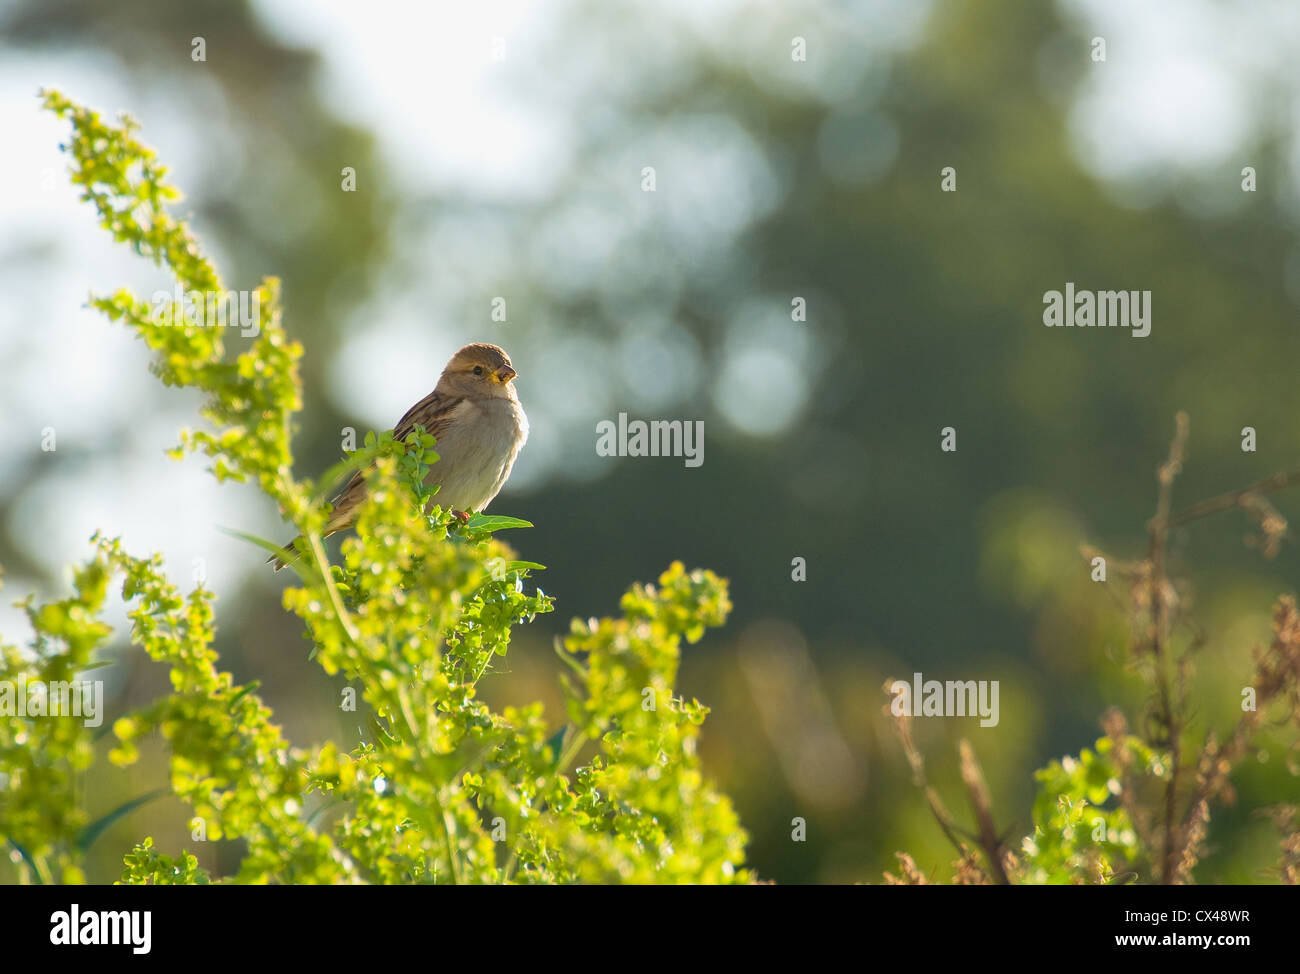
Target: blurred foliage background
pixel 499 153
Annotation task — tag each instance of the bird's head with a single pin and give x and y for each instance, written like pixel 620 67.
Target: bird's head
pixel 479 369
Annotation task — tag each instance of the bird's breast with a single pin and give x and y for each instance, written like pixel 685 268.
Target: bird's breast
pixel 477 451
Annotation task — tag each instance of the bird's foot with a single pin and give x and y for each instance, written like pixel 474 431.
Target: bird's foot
pixel 461 516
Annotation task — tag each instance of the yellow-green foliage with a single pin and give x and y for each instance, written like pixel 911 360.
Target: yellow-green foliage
pixel 443 789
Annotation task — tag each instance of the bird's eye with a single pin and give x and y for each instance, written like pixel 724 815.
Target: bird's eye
pixel 478 370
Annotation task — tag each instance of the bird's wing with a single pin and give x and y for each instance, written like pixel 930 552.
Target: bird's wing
pixel 433 412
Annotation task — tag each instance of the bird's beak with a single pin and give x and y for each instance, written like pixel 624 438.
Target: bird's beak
pixel 505 375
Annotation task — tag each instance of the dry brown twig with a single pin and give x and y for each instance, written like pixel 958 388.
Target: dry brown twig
pixel 968 869
pixel 1115 727
pixel 1184 822
pixel 909 873
pixel 976 789
pixel 1286 819
pixel 1176 829
pixel 1169 715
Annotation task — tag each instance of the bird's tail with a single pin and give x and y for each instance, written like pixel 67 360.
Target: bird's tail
pixel 345 505
pixel 287 554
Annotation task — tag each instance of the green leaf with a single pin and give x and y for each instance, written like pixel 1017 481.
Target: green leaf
pixel 495 522
pixel 98 827
pixel 556 742
pixel 242 693
pixel 304 567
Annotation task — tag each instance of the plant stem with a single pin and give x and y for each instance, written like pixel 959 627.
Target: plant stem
pixel 1159 532
pixel 569 751
pixel 349 627
pixel 1233 498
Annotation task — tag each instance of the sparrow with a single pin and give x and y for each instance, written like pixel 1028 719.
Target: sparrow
pixel 475 416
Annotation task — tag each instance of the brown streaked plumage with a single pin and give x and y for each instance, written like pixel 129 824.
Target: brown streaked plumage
pixel 475 416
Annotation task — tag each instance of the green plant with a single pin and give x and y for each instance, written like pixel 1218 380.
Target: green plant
pixel 1136 808
pixel 442 788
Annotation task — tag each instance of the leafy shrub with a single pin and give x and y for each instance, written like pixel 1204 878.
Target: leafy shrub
pixel 443 789
pixel 1138 806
